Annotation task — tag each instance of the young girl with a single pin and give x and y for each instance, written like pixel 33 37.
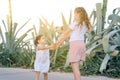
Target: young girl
pixel 76 32
pixel 42 61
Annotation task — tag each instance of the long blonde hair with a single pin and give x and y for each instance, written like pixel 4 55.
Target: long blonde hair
pixel 83 17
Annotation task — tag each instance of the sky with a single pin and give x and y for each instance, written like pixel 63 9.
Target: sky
pixel 50 9
pixel 22 10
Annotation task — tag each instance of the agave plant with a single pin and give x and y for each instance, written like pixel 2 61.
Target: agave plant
pixel 112 36
pixel 105 40
pixel 12 44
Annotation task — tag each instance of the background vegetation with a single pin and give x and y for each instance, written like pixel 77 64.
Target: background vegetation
pixel 103 46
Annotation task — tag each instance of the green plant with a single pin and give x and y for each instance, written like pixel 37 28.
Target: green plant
pixel 105 40
pixel 12 45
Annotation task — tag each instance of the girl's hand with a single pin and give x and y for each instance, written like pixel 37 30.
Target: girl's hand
pixel 53 46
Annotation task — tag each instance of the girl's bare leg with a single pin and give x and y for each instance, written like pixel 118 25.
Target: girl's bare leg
pixel 75 68
pixel 37 75
pixel 45 76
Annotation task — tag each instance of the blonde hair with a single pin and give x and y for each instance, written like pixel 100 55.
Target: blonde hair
pixel 83 17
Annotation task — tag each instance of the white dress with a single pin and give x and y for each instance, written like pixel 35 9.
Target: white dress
pixel 42 61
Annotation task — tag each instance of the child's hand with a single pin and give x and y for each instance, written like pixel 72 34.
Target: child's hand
pixel 59 43
pixel 53 46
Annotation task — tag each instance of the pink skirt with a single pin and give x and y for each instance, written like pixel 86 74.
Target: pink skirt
pixel 77 51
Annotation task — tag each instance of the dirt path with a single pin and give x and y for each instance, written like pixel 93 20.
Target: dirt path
pixel 28 74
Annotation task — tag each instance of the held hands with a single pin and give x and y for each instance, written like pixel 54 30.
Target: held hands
pixel 55 45
pixel 58 43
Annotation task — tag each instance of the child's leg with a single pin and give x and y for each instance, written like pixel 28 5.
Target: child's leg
pixel 37 75
pixel 75 68
pixel 45 76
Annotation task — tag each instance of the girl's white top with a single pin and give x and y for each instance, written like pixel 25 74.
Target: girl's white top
pixel 78 32
pixel 42 61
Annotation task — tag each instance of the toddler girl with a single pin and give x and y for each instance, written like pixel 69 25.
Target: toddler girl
pixel 42 60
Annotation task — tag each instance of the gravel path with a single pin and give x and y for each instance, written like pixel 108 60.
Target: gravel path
pixel 28 74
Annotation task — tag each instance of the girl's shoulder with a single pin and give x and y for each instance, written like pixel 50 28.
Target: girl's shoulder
pixel 73 25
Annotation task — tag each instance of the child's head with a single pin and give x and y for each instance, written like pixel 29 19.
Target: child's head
pixel 40 39
pixel 82 16
pixel 80 13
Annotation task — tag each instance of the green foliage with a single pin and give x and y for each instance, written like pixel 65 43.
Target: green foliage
pixel 105 41
pixel 113 67
pixel 92 64
pixel 25 57
pixel 12 46
pixel 6 59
